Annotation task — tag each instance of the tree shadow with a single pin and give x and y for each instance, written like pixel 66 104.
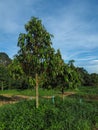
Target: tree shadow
pixel 4 98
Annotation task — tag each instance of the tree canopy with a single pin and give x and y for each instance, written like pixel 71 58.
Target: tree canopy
pixel 36 54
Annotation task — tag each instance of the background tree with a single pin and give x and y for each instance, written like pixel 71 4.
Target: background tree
pixel 71 63
pixel 54 71
pixel 84 76
pixel 72 75
pixel 4 75
pixel 94 80
pixel 17 75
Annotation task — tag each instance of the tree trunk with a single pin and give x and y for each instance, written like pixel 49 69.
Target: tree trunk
pixel 2 86
pixel 37 102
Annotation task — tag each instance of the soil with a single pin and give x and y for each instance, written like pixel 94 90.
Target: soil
pixel 9 99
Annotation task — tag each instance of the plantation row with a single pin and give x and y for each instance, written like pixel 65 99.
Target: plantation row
pixel 68 114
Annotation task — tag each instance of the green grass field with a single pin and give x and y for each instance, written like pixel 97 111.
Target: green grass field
pixel 68 114
pixel 30 92
pixel 80 93
pixel 74 112
pixel 92 91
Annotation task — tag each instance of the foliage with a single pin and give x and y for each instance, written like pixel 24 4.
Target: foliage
pixel 35 47
pixel 15 69
pixel 72 76
pixel 54 71
pixel 17 74
pixel 68 114
pixel 85 76
pixel 94 79
pixel 88 79
pixel 4 77
pixel 36 55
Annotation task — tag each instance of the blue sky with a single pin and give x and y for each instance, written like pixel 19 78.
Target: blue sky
pixel 74 24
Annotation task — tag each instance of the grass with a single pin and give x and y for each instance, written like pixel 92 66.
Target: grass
pixel 61 115
pixel 82 93
pixel 75 112
pixel 86 94
pixel 88 90
pixel 30 92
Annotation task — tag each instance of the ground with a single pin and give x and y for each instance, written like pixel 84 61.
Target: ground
pixel 8 99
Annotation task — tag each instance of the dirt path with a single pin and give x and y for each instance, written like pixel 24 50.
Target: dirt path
pixel 8 99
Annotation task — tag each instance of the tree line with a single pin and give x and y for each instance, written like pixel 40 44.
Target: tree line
pixel 37 59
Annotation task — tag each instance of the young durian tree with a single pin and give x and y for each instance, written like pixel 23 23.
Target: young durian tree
pixel 35 50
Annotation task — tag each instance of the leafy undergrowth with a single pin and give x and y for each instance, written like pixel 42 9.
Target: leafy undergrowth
pixel 86 94
pixel 68 114
pixel 86 97
pixel 87 90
